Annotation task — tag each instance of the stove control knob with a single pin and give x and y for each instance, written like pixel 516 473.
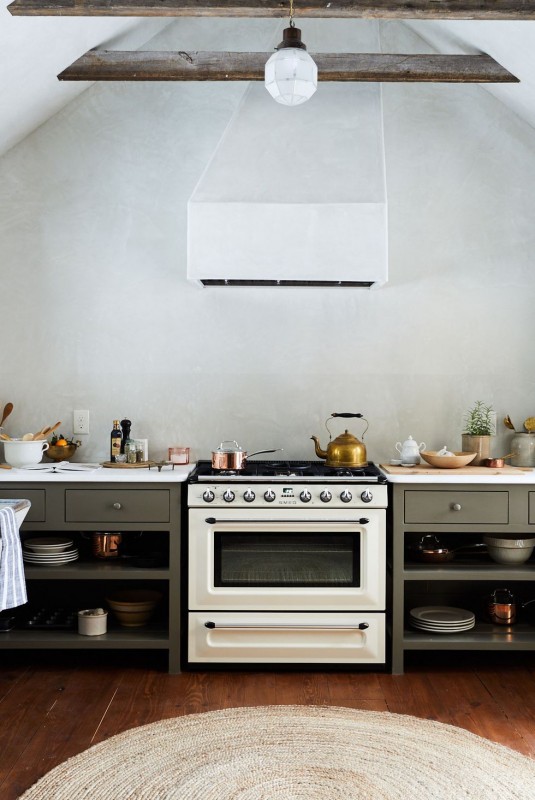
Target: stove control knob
pixel 228 496
pixel 346 496
pixel 326 496
pixel 269 496
pixel 366 496
pixel 248 496
pixel 208 496
pixel 305 496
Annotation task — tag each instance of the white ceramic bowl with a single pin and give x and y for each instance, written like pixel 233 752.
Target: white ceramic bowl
pixel 509 549
pixel 18 453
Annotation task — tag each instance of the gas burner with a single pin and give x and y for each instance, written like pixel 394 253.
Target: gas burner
pixel 285 468
pixel 287 471
pixel 226 472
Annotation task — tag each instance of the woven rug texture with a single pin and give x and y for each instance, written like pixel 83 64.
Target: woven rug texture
pixel 292 753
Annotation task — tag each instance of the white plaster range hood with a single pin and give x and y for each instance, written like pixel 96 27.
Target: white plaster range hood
pixel 294 196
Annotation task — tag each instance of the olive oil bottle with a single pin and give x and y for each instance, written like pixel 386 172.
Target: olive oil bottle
pixel 116 439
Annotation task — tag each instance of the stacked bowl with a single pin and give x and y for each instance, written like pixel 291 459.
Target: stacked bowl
pixel 509 548
pixel 133 608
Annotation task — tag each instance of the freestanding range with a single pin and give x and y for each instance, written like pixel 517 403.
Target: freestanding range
pixel 286 565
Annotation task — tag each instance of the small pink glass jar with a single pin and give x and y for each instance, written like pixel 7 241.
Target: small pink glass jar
pixel 178 455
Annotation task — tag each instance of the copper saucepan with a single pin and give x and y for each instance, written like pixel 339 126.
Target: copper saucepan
pixel 430 549
pixel 497 463
pixel 234 458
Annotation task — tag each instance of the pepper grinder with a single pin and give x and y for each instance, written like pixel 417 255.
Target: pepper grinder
pixel 125 425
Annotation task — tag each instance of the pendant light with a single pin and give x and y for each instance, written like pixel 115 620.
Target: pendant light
pixel 291 75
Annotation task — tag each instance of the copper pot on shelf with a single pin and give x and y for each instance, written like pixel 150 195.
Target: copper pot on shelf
pixel 502 607
pixel 106 545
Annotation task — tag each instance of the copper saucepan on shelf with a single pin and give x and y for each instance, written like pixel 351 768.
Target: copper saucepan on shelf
pixel 233 458
pixel 430 549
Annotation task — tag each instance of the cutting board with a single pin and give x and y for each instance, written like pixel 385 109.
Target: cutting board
pixel 137 465
pixel 426 469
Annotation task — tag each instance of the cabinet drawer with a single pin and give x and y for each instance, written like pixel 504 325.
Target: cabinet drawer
pixel 37 512
pixel 531 512
pixel 457 507
pixel 117 505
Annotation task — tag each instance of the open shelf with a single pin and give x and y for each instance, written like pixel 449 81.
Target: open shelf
pixel 484 636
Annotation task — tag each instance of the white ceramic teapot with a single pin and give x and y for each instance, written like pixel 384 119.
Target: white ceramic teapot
pixel 410 451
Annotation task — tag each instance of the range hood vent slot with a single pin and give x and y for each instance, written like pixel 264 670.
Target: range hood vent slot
pixel 283 284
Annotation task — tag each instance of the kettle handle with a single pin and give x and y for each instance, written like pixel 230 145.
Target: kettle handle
pixel 346 414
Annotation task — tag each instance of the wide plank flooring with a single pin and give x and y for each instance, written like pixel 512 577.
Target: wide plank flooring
pixel 53 706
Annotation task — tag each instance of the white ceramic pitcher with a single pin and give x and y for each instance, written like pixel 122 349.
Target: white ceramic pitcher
pixel 410 451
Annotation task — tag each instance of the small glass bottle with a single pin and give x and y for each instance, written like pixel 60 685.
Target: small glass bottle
pixel 116 439
pixel 130 451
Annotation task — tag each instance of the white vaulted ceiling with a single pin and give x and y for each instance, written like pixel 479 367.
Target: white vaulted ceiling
pixel 34 50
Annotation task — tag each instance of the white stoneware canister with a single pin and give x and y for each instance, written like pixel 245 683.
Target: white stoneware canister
pixel 92 621
pixel 523 450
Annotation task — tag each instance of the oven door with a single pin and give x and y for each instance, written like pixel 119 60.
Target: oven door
pixel 276 560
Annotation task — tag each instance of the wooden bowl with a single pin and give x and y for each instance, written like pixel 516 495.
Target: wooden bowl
pixel 458 459
pixel 61 452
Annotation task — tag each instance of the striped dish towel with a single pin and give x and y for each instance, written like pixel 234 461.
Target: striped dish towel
pixel 12 582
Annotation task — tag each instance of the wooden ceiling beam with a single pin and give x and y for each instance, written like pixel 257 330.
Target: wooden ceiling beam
pixel 115 65
pixel 380 9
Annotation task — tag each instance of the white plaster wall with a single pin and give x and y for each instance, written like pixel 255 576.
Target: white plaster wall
pixel 96 311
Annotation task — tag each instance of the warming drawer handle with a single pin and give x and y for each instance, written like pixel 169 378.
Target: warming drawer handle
pixel 288 626
pixel 361 521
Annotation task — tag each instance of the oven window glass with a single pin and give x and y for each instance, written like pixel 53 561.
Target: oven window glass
pixel 307 559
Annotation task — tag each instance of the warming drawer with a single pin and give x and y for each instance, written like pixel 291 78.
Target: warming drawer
pixel 278 638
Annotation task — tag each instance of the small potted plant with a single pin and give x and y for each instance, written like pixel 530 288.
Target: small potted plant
pixel 478 428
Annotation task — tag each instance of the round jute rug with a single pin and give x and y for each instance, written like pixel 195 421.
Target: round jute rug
pixel 292 753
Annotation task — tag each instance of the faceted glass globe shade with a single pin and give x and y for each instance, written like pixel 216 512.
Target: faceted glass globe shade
pixel 291 76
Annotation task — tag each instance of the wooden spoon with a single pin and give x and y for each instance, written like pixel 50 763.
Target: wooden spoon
pixel 46 432
pixel 8 408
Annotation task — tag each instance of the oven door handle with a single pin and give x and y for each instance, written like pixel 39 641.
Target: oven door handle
pixel 361 521
pixel 287 626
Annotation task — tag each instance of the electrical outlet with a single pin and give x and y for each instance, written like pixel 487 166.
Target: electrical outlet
pixel 80 422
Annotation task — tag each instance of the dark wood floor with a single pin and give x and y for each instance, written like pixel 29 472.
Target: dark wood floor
pixel 53 706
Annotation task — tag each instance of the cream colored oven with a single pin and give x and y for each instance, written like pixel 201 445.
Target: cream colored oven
pixel 286 572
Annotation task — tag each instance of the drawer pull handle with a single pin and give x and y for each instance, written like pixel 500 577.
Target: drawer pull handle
pixel 456 506
pixel 117 506
pixel 361 626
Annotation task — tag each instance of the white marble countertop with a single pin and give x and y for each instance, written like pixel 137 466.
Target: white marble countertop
pixel 103 475
pixel 526 476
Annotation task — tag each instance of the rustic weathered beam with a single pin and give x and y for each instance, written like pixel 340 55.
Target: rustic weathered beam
pixel 381 9
pixel 114 65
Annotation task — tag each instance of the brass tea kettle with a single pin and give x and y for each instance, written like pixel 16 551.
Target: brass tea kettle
pixel 346 450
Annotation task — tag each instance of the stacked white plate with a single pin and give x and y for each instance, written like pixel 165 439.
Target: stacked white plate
pixel 442 619
pixel 49 550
